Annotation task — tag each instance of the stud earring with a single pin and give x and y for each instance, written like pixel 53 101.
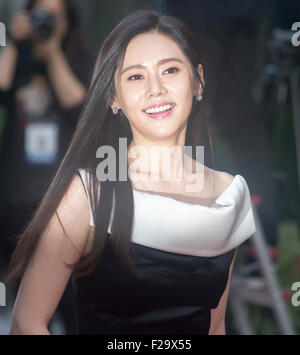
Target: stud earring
pixel 199 97
pixel 115 110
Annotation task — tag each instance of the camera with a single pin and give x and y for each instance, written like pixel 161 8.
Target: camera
pixel 43 23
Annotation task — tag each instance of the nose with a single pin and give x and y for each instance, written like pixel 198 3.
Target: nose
pixel 155 86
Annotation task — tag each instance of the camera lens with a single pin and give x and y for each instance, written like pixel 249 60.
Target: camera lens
pixel 43 23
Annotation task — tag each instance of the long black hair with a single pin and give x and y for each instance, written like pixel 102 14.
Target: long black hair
pixel 96 127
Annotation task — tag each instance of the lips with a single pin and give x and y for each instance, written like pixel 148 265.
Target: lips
pixel 159 105
pixel 161 114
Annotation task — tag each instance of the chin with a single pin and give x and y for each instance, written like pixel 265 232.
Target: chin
pixel 163 134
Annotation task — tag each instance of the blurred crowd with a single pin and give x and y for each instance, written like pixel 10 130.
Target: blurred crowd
pixel 45 72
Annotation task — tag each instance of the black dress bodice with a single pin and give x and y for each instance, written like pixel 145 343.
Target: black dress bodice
pixel 175 295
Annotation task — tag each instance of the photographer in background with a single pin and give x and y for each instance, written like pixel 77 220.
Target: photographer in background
pixel 45 72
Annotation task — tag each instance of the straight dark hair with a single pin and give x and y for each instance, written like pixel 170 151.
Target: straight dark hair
pixel 96 127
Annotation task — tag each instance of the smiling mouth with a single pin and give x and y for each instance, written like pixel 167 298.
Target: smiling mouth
pixel 161 112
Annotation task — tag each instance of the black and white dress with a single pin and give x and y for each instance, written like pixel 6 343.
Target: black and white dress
pixel 184 249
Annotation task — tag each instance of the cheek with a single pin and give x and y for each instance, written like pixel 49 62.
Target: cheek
pixel 132 97
pixel 180 87
pixel 183 94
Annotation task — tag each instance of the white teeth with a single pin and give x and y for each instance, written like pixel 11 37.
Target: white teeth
pixel 159 109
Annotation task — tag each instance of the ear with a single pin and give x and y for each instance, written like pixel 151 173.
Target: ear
pixel 199 89
pixel 114 103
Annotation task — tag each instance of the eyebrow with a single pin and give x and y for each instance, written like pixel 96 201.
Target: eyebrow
pixel 162 61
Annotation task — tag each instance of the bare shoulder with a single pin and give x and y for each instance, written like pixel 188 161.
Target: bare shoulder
pixel 214 180
pixel 73 214
pixel 77 196
pixel 219 180
pixel 225 179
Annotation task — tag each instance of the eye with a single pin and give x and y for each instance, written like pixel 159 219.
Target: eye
pixel 134 76
pixel 172 69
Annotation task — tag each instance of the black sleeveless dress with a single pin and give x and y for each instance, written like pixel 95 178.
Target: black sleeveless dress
pixel 185 270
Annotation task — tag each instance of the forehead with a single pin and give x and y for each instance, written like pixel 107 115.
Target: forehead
pixel 150 48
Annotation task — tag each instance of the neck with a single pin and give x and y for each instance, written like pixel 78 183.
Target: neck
pixel 161 162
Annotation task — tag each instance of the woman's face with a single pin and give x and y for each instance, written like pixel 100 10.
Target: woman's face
pixel 162 75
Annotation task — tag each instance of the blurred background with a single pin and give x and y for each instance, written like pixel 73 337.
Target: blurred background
pixel 252 73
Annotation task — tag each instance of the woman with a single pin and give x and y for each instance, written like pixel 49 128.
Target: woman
pixel 146 257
